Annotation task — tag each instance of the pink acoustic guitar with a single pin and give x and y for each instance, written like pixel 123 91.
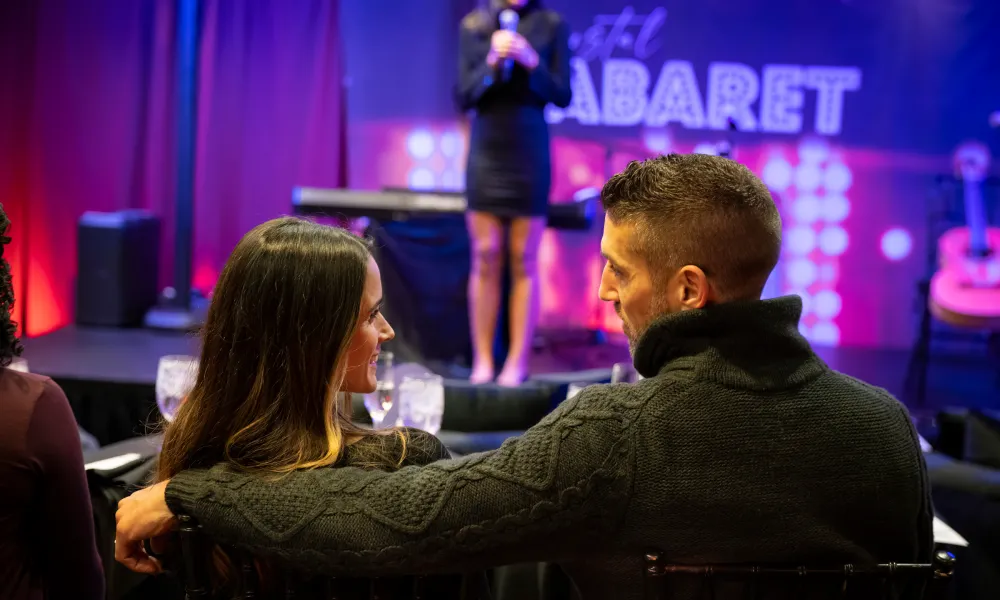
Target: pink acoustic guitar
pixel 965 291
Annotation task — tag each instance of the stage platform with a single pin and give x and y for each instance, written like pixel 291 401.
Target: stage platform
pixel 109 376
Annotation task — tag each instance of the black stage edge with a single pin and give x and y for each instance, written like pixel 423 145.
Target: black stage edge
pixel 109 376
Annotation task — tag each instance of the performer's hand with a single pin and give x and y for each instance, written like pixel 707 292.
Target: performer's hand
pixel 509 44
pixel 521 51
pixel 500 44
pixel 142 516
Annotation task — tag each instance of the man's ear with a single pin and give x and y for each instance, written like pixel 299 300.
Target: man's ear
pixel 694 289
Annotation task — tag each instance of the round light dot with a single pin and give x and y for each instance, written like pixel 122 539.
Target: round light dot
pixel 807 209
pixel 451 180
pixel 777 174
pixel 554 115
pixel 706 148
pixel 804 330
pixel 826 304
pixel 579 174
pixel 586 194
pixel 656 140
pixel 451 144
pixel 828 273
pixel 835 208
pixel 801 272
pixel 896 244
pixel 421 178
pixel 807 301
pixel 800 240
pixel 833 240
pixel 420 144
pixel 813 151
pixel 808 177
pixel 825 333
pixel 837 178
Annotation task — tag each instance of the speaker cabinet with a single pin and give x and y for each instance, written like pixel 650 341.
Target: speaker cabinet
pixel 117 267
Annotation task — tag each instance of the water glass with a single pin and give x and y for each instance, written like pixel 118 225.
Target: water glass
pixel 422 402
pixel 175 378
pixel 380 401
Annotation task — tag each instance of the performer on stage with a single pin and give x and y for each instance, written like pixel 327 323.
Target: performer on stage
pixel 507 77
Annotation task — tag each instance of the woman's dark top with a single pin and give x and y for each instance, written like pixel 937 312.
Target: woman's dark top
pixel 508 173
pixel 47 545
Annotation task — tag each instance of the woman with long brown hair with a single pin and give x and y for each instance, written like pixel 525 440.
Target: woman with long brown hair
pixel 294 327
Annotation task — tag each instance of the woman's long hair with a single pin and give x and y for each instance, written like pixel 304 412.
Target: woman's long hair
pixel 273 355
pixel 10 344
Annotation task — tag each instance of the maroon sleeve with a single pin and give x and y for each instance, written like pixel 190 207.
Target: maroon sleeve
pixel 69 548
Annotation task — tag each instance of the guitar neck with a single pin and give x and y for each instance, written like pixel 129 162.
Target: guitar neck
pixel 975 217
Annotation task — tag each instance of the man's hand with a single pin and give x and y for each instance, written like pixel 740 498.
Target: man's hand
pixel 142 516
pixel 508 44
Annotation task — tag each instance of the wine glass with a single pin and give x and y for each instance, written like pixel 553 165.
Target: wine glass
pixel 575 388
pixel 623 373
pixel 175 378
pixel 380 401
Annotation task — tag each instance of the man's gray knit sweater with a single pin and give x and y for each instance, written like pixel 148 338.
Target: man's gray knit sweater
pixel 740 446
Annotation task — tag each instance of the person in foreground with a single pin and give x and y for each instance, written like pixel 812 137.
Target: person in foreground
pixel 294 327
pixel 740 446
pixel 47 543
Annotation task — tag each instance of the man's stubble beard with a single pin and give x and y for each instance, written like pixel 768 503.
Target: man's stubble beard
pixel 657 310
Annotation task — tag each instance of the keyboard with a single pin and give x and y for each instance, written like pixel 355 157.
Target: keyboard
pixel 401 205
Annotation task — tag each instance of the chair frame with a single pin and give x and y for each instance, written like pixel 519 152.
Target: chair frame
pixel 194 570
pixel 657 574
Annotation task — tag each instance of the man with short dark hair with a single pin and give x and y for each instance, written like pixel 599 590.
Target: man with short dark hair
pixel 740 446
pixel 682 232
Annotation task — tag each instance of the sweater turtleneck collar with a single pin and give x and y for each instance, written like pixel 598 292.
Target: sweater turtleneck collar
pixel 751 345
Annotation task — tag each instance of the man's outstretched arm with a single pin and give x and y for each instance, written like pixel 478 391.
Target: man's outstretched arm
pixel 546 495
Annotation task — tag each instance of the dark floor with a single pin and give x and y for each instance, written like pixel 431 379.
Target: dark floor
pixel 131 355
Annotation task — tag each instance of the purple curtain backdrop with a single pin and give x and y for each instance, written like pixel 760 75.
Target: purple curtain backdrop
pixel 87 123
pixel 270 117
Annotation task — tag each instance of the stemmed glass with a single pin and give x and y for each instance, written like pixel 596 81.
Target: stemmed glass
pixel 380 401
pixel 575 388
pixel 623 373
pixel 175 378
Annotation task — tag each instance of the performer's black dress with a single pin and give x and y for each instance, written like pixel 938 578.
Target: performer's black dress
pixel 508 173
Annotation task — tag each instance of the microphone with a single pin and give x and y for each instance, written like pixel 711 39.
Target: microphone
pixel 508 22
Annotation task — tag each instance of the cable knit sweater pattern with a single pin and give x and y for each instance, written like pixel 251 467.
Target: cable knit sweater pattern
pixel 740 446
pixel 538 496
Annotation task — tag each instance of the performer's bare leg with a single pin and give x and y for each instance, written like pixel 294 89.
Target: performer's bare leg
pixel 525 301
pixel 486 237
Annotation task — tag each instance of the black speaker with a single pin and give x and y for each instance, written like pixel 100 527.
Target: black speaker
pixel 117 267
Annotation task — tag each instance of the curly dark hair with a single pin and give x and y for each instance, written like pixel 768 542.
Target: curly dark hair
pixel 10 344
